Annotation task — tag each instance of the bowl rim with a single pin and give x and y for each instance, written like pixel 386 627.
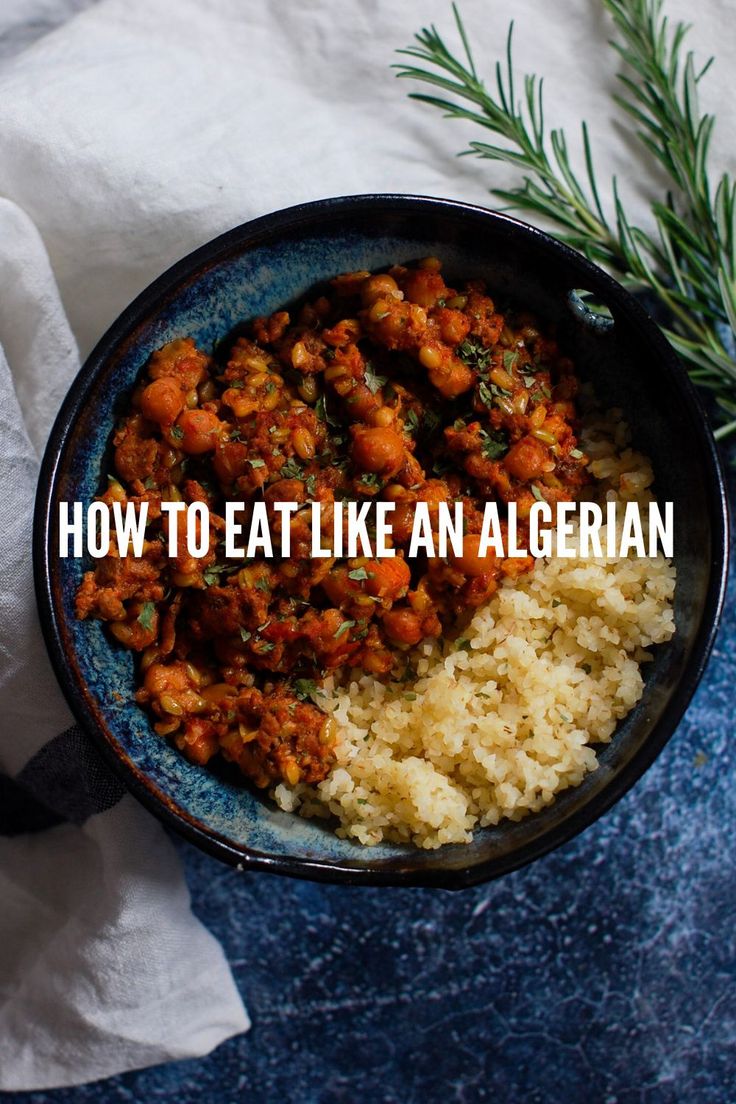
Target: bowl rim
pixel 45 564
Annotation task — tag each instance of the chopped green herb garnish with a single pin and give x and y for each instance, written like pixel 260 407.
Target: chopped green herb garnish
pixel 409 695
pixel 292 469
pixel 146 616
pixel 358 574
pixel 373 381
pixel 494 445
pixel 537 493
pixel 430 422
pixel 263 584
pixel 462 645
pixel 485 394
pixel 177 433
pixel 245 635
pixel 307 690
pixel 509 359
pixel 212 573
pixel 474 353
pixel 411 421
pixel 370 479
pixel 343 628
pixel 576 454
pixel 257 463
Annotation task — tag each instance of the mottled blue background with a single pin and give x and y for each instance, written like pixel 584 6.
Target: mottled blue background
pixel 603 974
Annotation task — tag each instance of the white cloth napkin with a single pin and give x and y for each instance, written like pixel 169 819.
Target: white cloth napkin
pixel 129 136
pixel 103 967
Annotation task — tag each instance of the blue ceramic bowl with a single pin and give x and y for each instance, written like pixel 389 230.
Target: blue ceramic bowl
pixel 255 269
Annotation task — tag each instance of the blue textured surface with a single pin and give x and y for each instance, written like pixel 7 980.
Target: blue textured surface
pixel 602 974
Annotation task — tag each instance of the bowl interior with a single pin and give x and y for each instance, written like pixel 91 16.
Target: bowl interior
pixel 255 270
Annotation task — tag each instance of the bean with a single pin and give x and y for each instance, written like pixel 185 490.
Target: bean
pixel 328 732
pixel 303 442
pixel 335 371
pixel 545 436
pixel 309 389
pixel 538 416
pixel 502 379
pixel 299 356
pixel 207 391
pixel 169 704
pixel 292 773
pixel 430 356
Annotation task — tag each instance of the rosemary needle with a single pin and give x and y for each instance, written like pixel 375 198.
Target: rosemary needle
pixel 689 260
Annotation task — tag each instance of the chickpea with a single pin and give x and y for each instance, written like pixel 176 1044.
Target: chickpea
pixel 378 450
pixel 382 416
pixel 425 287
pixel 200 430
pixel 230 461
pixel 377 286
pixel 403 626
pixel 452 378
pixel 454 325
pixel 362 404
pixel 388 579
pixel 163 400
pixel 472 563
pixel 526 459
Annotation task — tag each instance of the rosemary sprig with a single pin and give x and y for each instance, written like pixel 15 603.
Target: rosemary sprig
pixel 689 261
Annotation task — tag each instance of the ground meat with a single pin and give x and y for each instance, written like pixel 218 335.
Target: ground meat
pixel 393 385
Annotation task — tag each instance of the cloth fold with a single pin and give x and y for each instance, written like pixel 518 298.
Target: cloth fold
pixel 103 967
pixel 129 136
